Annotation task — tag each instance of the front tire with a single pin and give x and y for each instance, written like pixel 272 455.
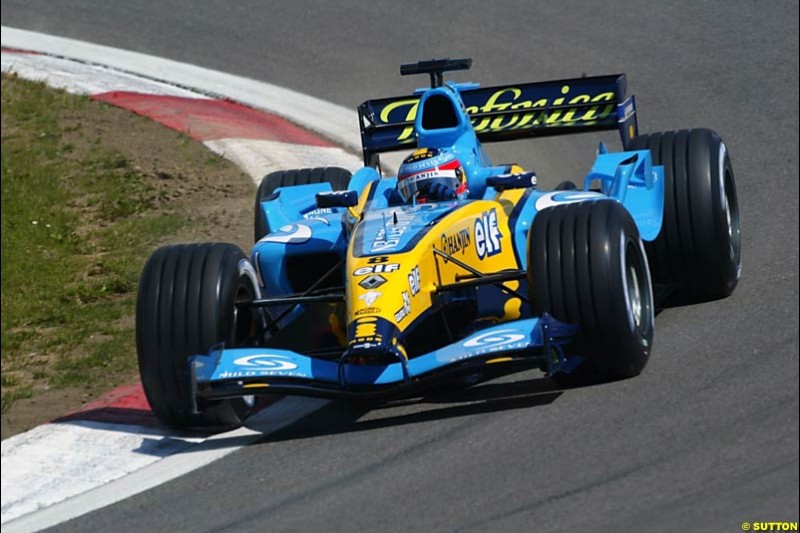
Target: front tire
pixel 187 304
pixel 699 246
pixel 587 266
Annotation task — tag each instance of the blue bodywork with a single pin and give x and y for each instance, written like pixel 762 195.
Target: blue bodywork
pixel 628 177
pixel 288 371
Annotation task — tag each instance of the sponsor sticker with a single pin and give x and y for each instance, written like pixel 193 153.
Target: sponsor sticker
pixel 533 111
pixel 495 341
pixel 428 174
pixel 381 268
pixel 266 362
pixel 404 311
pixel 563 197
pixel 290 234
pixel 318 211
pixel 487 235
pixel 388 237
pixel 372 282
pixel 370 297
pixel 413 281
pixel 456 242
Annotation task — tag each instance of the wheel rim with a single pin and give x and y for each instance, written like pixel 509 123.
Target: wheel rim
pixel 243 326
pixel 634 296
pixel 732 216
pixel 638 295
pixel 243 317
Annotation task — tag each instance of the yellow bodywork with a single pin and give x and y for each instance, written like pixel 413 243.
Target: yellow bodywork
pixel 411 278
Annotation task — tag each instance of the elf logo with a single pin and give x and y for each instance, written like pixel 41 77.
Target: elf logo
pixel 380 268
pixel 487 235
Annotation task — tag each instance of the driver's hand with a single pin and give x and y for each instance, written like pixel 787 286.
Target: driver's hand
pixel 440 191
pixel 393 197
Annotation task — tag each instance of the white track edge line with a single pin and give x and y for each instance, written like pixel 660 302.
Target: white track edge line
pixel 276 417
pixel 337 123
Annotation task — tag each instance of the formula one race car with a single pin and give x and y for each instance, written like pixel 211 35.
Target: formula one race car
pixel 372 287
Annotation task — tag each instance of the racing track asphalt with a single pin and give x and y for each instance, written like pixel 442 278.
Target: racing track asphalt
pixel 706 438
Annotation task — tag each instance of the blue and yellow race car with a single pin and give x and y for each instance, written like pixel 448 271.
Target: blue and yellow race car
pixel 373 287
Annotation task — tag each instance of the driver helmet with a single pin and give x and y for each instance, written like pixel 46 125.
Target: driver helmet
pixel 427 169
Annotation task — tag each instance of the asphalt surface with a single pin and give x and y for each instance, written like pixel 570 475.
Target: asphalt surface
pixel 704 439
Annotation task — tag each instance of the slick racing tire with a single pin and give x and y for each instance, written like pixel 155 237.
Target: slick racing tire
pixel 587 266
pixel 187 304
pixel 699 247
pixel 339 178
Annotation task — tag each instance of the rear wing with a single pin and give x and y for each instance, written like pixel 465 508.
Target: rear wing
pixel 509 112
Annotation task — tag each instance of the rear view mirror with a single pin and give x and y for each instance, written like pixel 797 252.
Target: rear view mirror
pixel 512 181
pixel 337 199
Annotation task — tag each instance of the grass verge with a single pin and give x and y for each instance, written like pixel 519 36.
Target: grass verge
pixel 88 192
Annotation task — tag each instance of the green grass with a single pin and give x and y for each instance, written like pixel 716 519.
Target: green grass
pixel 77 226
pixel 18 393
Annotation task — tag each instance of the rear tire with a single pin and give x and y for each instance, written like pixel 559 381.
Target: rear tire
pixel 339 178
pixel 186 305
pixel 587 266
pixel 699 246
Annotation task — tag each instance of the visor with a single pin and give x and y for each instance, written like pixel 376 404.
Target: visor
pixel 420 183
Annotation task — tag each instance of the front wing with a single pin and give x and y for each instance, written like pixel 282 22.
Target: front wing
pixel 234 372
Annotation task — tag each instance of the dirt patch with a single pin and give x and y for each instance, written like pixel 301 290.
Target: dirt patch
pixel 183 175
pixel 174 176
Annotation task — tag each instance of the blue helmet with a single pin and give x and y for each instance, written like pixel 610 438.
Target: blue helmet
pixel 428 168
